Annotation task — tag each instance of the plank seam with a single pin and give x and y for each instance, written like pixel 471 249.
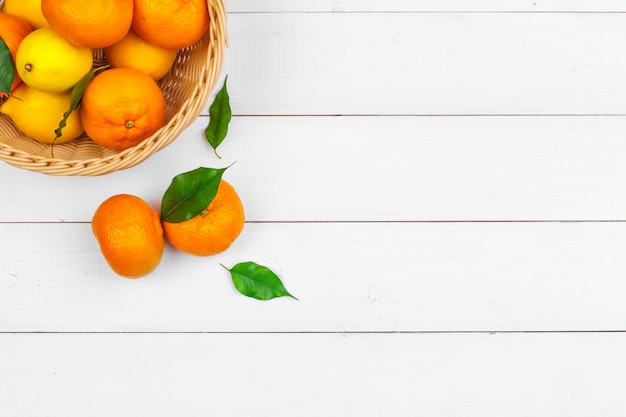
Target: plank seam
pixel 336 12
pixel 573 221
pixel 340 332
pixel 382 115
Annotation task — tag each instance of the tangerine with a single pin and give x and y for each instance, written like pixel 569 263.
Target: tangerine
pixel 173 24
pixel 130 235
pixel 12 30
pixel 135 52
pixel 121 107
pixel 213 230
pixel 91 24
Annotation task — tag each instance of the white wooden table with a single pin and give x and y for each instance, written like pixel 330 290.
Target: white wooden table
pixel 442 184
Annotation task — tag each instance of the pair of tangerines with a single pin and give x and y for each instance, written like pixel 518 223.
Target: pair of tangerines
pixel 132 236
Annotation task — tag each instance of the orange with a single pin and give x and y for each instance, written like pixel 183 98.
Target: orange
pixel 213 230
pixel 90 24
pixel 12 30
pixel 173 24
pixel 130 235
pixel 135 52
pixel 121 107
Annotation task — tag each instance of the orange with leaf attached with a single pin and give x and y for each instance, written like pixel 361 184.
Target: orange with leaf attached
pixel 213 230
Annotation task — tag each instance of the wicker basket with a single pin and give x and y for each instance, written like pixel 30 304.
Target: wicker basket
pixel 186 89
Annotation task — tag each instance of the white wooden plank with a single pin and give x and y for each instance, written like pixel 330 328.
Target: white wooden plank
pixel 347 6
pixel 60 375
pixel 376 168
pixel 347 276
pixel 450 63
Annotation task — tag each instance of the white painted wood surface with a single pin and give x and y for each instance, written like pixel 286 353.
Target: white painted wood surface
pixel 313 374
pixel 440 183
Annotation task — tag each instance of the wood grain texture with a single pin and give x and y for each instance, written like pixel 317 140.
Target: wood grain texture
pixel 372 169
pixel 443 63
pixel 311 375
pixel 383 277
pixel 425 6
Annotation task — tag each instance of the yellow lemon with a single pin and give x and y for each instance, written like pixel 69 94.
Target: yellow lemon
pixel 37 114
pixel 135 52
pixel 49 63
pixel 29 10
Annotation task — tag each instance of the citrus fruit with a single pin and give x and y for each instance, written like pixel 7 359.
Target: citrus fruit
pixel 171 24
pixel 91 24
pixel 130 235
pixel 135 52
pixel 121 107
pixel 29 10
pixel 37 114
pixel 49 63
pixel 213 230
pixel 12 30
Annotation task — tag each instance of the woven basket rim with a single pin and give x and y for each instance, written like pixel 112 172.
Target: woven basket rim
pixel 216 40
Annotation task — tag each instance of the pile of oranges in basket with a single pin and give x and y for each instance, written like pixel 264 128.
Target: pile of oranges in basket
pixel 52 44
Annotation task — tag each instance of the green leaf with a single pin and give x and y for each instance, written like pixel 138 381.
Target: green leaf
pixel 190 193
pixel 7 68
pixel 75 97
pixel 220 118
pixel 257 281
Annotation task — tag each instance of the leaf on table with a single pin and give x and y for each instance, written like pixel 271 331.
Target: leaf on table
pixel 220 115
pixel 190 193
pixel 257 281
pixel 7 68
